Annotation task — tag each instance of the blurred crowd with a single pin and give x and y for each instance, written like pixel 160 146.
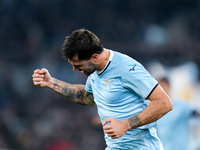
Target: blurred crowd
pixel 31 37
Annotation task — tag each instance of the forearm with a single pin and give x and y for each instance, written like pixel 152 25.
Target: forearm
pixel 152 113
pixel 159 106
pixel 74 92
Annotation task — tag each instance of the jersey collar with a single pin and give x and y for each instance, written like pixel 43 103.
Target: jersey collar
pixel 108 63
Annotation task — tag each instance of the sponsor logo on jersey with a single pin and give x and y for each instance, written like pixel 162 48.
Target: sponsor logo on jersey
pixel 132 69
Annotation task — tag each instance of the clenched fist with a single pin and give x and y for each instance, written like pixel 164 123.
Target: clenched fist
pixel 41 77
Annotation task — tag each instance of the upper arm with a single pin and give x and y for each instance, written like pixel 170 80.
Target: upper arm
pixel 159 95
pixel 88 99
pixel 159 106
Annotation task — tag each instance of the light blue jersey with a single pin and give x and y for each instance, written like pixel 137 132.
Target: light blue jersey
pixel 121 91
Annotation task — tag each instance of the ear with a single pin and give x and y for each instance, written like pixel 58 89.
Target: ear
pixel 95 58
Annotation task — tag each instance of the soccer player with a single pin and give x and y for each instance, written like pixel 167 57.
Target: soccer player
pixel 173 128
pixel 128 98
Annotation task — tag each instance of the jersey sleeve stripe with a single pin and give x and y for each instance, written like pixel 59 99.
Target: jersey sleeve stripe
pixel 151 91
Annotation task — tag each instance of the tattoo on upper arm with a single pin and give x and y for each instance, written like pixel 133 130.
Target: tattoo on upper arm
pixel 135 122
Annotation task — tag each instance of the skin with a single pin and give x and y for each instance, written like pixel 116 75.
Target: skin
pixel 75 93
pixel 159 106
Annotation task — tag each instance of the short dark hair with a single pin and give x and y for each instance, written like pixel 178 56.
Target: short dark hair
pixel 82 42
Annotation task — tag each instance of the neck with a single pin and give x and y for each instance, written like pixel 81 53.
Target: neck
pixel 104 58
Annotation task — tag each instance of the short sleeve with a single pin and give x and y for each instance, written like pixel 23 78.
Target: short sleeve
pixel 88 87
pixel 137 79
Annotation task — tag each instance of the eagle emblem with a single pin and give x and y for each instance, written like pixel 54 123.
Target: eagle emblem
pixel 108 83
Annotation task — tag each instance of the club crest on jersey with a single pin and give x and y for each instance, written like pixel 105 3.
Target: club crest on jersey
pixel 108 83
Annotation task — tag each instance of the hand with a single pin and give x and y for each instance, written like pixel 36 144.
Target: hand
pixel 41 77
pixel 116 128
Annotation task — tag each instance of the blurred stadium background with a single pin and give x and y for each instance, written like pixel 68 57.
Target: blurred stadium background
pixel 165 34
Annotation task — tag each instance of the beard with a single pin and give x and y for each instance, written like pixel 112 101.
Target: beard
pixel 87 73
pixel 92 68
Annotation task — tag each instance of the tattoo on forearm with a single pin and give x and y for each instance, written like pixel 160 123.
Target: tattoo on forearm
pixel 134 122
pixel 68 92
pixel 71 93
pixel 80 97
pixel 90 99
pixel 55 85
pixel 75 93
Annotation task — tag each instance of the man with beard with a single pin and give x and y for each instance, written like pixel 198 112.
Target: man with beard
pixel 128 98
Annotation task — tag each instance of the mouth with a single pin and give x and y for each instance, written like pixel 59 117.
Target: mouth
pixel 84 72
pixel 87 72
